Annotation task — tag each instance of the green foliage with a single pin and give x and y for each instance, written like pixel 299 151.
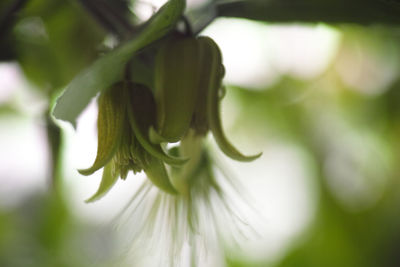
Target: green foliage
pixel 41 231
pixel 50 46
pixel 109 69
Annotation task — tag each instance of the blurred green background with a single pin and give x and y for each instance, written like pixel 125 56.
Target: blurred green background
pixel 321 100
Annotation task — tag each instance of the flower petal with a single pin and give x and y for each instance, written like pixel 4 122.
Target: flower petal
pixel 213 111
pixel 110 123
pixel 176 86
pixel 157 174
pixel 107 181
pixel 191 147
pixel 141 113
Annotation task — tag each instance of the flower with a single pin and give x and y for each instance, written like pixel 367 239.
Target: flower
pixel 126 111
pixel 135 125
pixel 188 83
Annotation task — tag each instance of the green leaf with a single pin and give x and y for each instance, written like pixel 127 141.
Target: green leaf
pixel 107 181
pixel 108 69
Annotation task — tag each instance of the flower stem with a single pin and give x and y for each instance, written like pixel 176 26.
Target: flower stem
pixel 334 11
pixel 54 139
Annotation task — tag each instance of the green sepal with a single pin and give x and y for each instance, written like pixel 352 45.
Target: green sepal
pixel 156 172
pixel 191 147
pixel 107 181
pixel 176 85
pixel 128 156
pixel 156 138
pixel 220 138
pixel 200 119
pixel 110 124
pixel 141 113
pixel 213 109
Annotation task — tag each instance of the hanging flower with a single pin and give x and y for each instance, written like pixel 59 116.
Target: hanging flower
pixel 132 123
pixel 135 124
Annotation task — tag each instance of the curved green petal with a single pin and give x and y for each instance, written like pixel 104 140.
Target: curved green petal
pixel 156 138
pixel 107 181
pixel 154 150
pixel 139 114
pixel 220 138
pixel 110 126
pixel 213 112
pixel 157 174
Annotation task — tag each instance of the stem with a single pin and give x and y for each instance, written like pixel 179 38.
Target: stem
pixel 54 139
pixel 188 27
pixel 98 16
pixel 109 17
pixel 6 18
pixel 335 11
pixel 117 15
